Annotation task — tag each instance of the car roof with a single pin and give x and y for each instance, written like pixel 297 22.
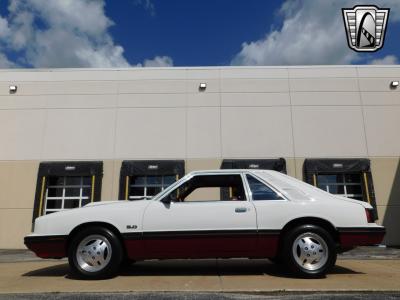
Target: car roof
pixel 224 171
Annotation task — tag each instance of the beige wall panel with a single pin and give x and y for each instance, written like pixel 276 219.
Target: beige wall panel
pixel 255 99
pixel 79 134
pixel 325 98
pixel 324 85
pixel 386 178
pixel 203 99
pixel 21 134
pixel 389 216
pixel 152 86
pixel 151 100
pixel 153 73
pixel 263 72
pixel 377 84
pixel 379 71
pixel 256 132
pixel 324 131
pixel 291 166
pixel 22 102
pixel 317 72
pixel 202 74
pixel 380 98
pixel 202 164
pixel 14 225
pixel 299 162
pixel 116 176
pixel 18 183
pixel 80 101
pixel 192 86
pixel 382 125
pixel 108 181
pixel 151 133
pixel 254 85
pixel 203 132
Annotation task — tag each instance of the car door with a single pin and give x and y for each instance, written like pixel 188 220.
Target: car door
pixel 204 226
pixel 273 210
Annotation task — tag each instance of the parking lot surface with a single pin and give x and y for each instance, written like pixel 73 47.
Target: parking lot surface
pixel 235 275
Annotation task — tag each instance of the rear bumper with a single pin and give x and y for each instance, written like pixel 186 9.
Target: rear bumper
pixel 51 246
pixel 364 236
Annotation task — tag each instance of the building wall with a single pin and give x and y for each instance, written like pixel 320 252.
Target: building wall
pixel 258 112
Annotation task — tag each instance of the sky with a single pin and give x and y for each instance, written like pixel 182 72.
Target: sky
pixel 163 33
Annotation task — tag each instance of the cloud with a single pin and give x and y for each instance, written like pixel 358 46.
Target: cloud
pixel 312 33
pixel 147 5
pixel 67 33
pixel 387 60
pixel 158 61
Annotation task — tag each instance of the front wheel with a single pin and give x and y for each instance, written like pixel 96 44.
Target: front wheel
pixel 309 251
pixel 95 253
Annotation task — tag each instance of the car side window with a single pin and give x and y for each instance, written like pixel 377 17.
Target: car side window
pixel 260 191
pixel 209 187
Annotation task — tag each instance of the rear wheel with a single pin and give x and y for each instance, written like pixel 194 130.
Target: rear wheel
pixel 309 251
pixel 95 253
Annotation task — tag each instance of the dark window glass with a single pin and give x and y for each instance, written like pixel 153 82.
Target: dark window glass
pixel 260 191
pixel 71 203
pixel 72 192
pixel 71 180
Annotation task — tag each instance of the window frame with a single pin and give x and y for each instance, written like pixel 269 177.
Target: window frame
pixel 145 168
pixel 47 169
pixel 284 198
pixel 188 177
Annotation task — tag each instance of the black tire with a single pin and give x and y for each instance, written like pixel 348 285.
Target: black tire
pixel 290 259
pixel 110 268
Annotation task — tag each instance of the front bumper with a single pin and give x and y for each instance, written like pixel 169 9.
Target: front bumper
pixel 49 246
pixel 361 236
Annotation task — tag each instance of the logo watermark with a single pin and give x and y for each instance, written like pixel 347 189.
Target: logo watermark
pixel 365 26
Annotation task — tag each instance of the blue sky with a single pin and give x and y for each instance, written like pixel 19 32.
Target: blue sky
pixel 152 33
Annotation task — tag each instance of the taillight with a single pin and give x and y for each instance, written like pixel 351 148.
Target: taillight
pixel 370 216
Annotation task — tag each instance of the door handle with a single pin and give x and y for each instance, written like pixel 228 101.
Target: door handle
pixel 240 209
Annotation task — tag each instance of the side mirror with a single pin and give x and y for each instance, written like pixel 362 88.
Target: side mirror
pixel 167 200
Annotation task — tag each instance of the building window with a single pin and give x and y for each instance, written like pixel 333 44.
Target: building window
pixel 347 185
pixel 66 185
pixel 350 178
pixel 66 192
pixel 145 187
pixel 144 179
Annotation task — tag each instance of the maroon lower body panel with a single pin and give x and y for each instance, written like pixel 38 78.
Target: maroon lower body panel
pixel 47 246
pixel 367 236
pixel 202 244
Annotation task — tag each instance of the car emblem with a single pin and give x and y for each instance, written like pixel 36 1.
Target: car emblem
pixel 365 26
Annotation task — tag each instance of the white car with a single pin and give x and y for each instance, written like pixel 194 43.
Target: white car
pixel 211 214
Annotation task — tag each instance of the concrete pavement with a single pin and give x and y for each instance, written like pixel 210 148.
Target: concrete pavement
pixel 236 275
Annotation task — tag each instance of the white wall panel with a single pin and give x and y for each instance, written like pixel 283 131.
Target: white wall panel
pixel 320 72
pixel 329 131
pixel 324 84
pixel 325 98
pixel 254 85
pixel 259 132
pixel 152 86
pixel 21 134
pixel 255 99
pixel 382 124
pixel 151 133
pixel 79 134
pixel 151 100
pixel 203 132
pixel 380 98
